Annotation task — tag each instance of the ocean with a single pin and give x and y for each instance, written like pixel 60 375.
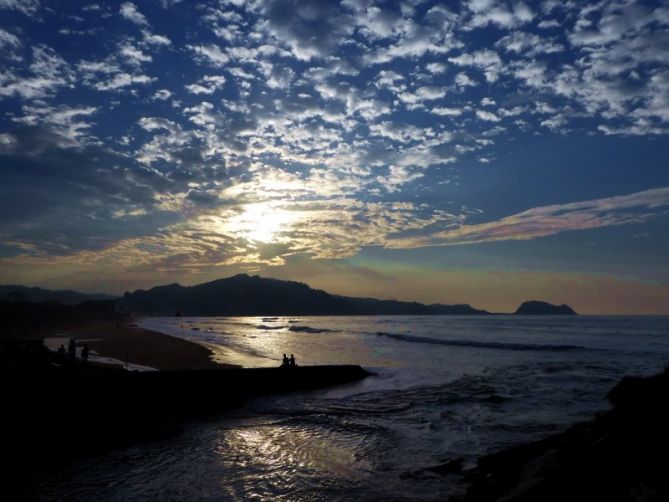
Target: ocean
pixel 445 388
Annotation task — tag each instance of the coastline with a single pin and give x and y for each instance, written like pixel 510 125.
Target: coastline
pixel 620 455
pixel 219 353
pixel 144 347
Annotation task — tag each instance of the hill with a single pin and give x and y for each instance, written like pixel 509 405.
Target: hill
pixel 256 296
pixel 244 295
pixel 535 307
pixel 13 292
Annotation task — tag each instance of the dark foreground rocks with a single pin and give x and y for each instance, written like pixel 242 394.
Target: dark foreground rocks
pixel 622 455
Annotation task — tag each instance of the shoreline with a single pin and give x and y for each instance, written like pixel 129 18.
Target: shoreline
pixel 143 347
pixel 620 455
pixel 220 353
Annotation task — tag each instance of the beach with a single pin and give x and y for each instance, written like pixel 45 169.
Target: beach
pixel 447 391
pixel 59 411
pixel 127 342
pixel 108 334
pixel 447 394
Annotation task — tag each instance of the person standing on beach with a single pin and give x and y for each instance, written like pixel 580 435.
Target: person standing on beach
pixel 72 349
pixel 292 360
pixel 61 352
pixel 84 353
pixel 285 361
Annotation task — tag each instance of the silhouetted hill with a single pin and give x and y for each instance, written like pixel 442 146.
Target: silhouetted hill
pixel 246 295
pixel 535 307
pixel 12 292
pixel 32 320
pixel 394 307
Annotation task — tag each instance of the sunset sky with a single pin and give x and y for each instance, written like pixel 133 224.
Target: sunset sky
pixel 483 152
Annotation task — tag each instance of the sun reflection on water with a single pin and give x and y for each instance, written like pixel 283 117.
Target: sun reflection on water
pixel 284 460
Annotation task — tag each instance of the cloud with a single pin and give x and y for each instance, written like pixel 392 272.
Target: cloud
pixel 72 203
pixel 436 67
pixel 46 74
pixel 292 104
pixel 486 60
pixel 463 80
pixel 446 111
pixel 129 11
pixel 211 54
pixel 430 35
pixel 485 12
pixel 153 39
pixel 162 94
pixel 64 122
pixel 207 85
pixel 419 96
pixel 7 40
pixel 309 29
pixel 528 44
pixel 133 55
pixel 121 80
pixel 549 220
pixel 378 23
pixel 28 7
pixel 487 116
pixel 401 133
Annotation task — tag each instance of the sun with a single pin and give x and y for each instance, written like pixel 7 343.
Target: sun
pixel 262 222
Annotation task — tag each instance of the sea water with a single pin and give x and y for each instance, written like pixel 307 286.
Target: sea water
pixel 445 388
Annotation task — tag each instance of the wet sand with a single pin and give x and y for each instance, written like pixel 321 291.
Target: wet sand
pixel 142 346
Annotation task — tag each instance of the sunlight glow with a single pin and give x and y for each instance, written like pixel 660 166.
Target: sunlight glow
pixel 262 222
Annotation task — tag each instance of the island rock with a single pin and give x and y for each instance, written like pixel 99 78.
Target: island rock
pixel 535 307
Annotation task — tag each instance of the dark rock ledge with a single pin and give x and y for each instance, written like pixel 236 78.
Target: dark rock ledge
pixel 621 455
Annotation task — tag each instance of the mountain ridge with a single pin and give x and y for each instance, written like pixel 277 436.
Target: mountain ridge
pixel 245 295
pixel 41 295
pixel 258 296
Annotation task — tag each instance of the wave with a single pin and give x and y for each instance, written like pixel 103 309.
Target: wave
pixel 309 329
pixel 267 328
pixel 481 345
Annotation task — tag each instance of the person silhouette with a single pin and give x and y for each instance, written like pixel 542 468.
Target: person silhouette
pixel 61 352
pixel 285 361
pixel 84 353
pixel 291 361
pixel 72 349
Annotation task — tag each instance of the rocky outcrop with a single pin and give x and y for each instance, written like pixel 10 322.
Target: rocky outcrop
pixel 534 307
pixel 619 456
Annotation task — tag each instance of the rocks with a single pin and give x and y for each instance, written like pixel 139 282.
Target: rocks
pixel 534 307
pixel 452 467
pixel 619 456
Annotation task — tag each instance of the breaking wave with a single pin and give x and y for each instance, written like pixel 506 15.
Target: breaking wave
pixel 478 344
pixel 309 329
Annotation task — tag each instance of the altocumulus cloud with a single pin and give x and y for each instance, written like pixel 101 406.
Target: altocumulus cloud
pixel 161 147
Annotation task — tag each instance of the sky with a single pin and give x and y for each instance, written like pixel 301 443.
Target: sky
pixel 483 151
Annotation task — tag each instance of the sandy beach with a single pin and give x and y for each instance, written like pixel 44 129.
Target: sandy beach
pixel 143 347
